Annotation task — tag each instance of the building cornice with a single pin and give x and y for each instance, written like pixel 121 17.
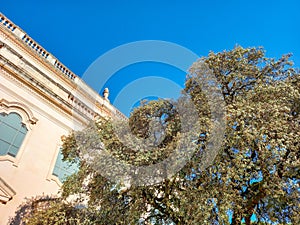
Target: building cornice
pixel 37 87
pixel 42 57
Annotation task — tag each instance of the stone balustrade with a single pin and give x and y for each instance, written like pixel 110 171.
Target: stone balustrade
pixel 27 40
pixel 65 70
pixel 36 47
pixel 42 52
pixel 7 23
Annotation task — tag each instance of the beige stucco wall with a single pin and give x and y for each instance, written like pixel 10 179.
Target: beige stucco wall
pixel 52 102
pixel 29 173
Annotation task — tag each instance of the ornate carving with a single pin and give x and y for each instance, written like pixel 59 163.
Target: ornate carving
pixel 5 105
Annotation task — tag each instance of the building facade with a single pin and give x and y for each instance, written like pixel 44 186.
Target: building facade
pixel 40 101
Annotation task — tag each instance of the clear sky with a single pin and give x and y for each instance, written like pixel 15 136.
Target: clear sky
pixel 78 32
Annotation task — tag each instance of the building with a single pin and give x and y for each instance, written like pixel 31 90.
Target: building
pixel 40 101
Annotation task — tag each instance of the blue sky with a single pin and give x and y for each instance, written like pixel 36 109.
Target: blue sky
pixel 78 32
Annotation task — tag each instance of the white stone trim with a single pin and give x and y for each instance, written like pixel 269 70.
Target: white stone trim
pixel 26 113
pixel 6 192
pixel 50 176
pixel 27 118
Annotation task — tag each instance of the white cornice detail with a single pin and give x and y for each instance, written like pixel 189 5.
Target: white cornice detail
pixel 6 192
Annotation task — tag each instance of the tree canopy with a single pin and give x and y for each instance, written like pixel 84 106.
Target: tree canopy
pixel 253 178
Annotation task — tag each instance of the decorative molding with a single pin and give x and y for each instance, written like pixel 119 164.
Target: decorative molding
pixel 39 94
pixel 27 45
pixel 27 118
pixel 58 68
pixel 6 192
pixel 55 179
pixel 50 176
pixel 26 79
pixel 8 158
pixel 6 106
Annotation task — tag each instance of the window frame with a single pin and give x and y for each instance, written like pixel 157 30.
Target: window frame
pixel 28 120
pixel 50 175
pixel 18 131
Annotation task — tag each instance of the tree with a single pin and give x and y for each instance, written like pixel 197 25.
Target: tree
pixel 257 171
pixel 254 178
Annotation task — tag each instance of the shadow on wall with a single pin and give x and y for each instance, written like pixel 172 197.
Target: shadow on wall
pixel 28 208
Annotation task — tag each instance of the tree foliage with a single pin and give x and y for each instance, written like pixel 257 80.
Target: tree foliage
pixel 253 179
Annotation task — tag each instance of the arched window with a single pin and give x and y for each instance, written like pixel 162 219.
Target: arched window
pixel 63 169
pixel 12 133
